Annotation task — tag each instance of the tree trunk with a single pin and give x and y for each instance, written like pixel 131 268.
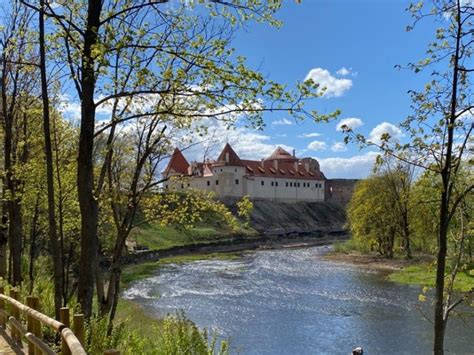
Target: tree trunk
pixel 85 169
pixel 439 319
pixel 439 323
pixel 56 251
pixel 15 238
pixel 33 237
pixel 3 243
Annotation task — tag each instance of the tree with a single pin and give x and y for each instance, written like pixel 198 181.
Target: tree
pixel 56 251
pixel 178 58
pixel 440 128
pixel 374 218
pixel 17 91
pixel 398 177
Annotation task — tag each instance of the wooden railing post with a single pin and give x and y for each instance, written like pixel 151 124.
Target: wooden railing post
pixel 37 330
pixel 30 325
pixel 15 313
pixel 64 317
pixel 78 327
pixel 2 307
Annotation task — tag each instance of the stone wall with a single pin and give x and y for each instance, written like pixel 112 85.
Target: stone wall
pixel 340 190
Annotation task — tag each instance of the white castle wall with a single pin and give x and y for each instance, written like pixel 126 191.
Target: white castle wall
pixel 224 180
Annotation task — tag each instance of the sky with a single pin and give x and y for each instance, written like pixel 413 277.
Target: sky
pixel 351 47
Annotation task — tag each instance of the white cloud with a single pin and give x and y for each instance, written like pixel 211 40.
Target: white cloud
pixel 70 109
pixel 355 167
pixel 317 145
pixel 248 143
pixel 282 122
pixel 338 147
pixel 350 122
pixel 344 71
pixel 309 135
pixel 394 132
pixel 334 87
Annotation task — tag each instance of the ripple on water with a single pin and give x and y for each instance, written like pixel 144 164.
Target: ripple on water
pixel 288 301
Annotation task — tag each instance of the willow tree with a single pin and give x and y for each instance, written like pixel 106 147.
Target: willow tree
pixel 157 59
pixel 440 129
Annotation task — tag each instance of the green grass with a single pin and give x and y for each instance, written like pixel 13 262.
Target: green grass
pixel 136 319
pixel 156 237
pixel 424 275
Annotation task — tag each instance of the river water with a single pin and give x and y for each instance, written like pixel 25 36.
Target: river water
pixel 291 301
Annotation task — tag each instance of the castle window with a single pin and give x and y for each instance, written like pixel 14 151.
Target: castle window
pixel 286 184
pixel 304 184
pixel 263 182
pixel 236 170
pixel 272 183
pixel 298 184
pixel 208 183
pixel 236 181
pixel 217 182
pixel 276 183
pixel 182 186
pixel 221 170
pixel 291 184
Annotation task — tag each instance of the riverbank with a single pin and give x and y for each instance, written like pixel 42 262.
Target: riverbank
pixel 375 261
pixel 420 270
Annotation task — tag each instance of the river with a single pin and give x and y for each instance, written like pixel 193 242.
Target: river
pixel 291 301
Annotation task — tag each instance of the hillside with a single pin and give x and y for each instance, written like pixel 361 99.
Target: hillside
pixel 271 217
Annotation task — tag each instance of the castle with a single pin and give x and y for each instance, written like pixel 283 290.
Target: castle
pixel 281 176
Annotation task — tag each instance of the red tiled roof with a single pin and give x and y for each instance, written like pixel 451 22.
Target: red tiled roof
pixel 254 168
pixel 177 163
pixel 280 165
pixel 281 153
pixel 234 159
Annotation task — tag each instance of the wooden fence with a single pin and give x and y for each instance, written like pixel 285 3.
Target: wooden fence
pixel 72 340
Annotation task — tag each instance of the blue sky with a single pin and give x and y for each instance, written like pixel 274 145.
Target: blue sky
pixel 349 46
pixel 367 38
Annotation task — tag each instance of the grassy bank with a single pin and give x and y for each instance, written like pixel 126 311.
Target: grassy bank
pixel 425 275
pixel 420 270
pixel 157 237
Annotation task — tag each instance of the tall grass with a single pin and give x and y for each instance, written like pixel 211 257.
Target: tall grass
pixel 177 335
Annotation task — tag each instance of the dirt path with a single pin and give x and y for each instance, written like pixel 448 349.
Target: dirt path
pixel 8 345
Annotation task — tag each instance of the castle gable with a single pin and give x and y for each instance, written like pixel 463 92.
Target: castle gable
pixel 229 157
pixel 177 164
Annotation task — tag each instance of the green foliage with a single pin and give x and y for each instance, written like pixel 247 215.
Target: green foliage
pixel 187 208
pixel 371 215
pixel 98 341
pixel 180 336
pixel 244 209
pixel 175 335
